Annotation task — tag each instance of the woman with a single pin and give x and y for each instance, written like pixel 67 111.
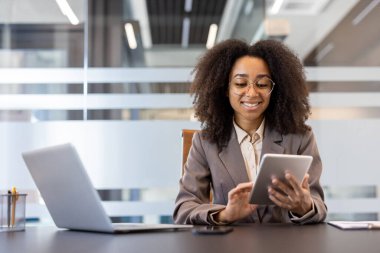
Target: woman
pixel 251 100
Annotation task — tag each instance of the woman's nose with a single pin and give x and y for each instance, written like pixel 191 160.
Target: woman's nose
pixel 251 91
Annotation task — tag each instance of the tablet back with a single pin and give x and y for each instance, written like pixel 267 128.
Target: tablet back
pixel 275 165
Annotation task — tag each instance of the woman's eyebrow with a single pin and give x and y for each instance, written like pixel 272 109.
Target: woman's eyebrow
pixel 262 75
pixel 240 75
pixel 246 75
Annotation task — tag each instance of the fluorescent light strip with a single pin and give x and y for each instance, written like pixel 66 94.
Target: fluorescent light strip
pixel 188 5
pixel 276 6
pixel 365 12
pixel 211 36
pixel 130 36
pixel 185 32
pixel 67 11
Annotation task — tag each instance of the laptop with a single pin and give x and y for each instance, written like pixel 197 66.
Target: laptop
pixel 69 195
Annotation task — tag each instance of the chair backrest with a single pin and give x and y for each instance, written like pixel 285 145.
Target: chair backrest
pixel 187 139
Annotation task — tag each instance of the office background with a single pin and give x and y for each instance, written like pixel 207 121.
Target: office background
pixel 112 77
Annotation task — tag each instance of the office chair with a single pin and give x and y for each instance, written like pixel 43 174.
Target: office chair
pixel 187 141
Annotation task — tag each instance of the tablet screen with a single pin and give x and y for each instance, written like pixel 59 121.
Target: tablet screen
pixel 276 165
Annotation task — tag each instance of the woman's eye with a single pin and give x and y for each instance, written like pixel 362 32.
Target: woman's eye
pixel 240 85
pixel 262 85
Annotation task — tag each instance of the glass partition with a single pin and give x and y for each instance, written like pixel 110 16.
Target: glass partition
pixel 112 77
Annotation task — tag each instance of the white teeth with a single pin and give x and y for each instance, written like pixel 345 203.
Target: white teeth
pixel 250 105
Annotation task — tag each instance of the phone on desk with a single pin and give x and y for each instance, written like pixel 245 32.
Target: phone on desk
pixel 209 230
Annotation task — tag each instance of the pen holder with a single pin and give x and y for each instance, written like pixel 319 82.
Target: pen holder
pixel 12 212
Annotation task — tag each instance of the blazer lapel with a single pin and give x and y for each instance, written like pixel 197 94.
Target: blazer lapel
pixel 232 157
pixel 272 142
pixel 233 160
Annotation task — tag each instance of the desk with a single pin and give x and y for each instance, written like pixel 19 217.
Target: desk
pixel 264 238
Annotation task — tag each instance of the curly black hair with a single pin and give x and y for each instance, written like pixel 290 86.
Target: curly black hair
pixel 289 105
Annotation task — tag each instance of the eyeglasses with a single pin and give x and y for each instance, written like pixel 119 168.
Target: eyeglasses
pixel 263 85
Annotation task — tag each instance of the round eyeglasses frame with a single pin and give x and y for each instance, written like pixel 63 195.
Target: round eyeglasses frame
pixel 241 85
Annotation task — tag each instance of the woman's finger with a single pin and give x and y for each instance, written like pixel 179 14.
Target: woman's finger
pixel 305 182
pixel 293 182
pixel 279 196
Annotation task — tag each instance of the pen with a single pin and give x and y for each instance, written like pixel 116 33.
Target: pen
pixel 14 199
pixel 9 209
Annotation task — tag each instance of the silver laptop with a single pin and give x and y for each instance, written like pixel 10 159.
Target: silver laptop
pixel 69 195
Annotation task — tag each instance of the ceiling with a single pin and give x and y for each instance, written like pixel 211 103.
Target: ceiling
pixel 309 27
pixel 310 24
pixel 168 20
pixel 354 42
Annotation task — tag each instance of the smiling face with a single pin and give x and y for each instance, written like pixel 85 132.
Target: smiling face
pixel 249 107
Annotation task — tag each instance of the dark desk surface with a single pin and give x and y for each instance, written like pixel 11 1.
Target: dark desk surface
pixel 253 238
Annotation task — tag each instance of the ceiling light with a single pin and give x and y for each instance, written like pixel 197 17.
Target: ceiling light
pixel 185 32
pixel 130 36
pixel 276 7
pixel 67 11
pixel 188 5
pixel 211 36
pixel 365 12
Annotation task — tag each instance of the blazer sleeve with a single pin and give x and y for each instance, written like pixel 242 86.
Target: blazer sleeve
pixel 192 205
pixel 309 147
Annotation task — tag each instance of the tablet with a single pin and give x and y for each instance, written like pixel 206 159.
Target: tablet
pixel 276 165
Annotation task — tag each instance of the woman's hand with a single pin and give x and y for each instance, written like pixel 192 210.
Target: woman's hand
pixel 238 205
pixel 292 195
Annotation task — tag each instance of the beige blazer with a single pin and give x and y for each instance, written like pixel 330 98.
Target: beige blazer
pixel 224 170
